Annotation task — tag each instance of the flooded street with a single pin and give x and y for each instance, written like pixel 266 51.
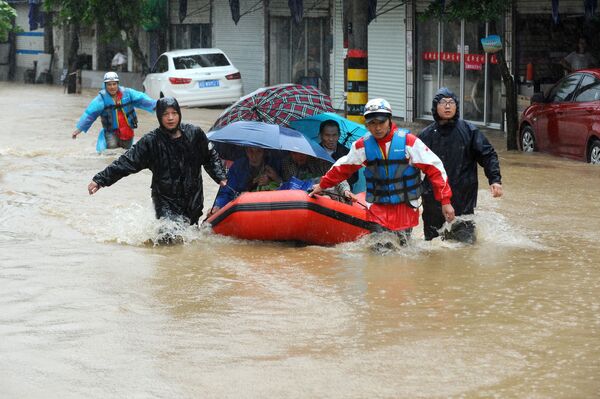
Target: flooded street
pixel 89 309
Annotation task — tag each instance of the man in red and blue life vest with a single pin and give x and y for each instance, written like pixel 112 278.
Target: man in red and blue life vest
pixel 394 160
pixel 115 105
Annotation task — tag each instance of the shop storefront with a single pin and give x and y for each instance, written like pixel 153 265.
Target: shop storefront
pixel 244 42
pixel 299 50
pixel 387 52
pixel 387 58
pixel 545 35
pixel 270 47
pixel 449 54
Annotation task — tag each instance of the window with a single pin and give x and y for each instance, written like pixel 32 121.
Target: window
pixel 589 90
pixel 427 45
pixel 162 65
pixel 200 36
pixel 190 36
pixel 565 89
pixel 196 61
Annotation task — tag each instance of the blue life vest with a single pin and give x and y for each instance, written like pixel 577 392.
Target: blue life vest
pixel 392 180
pixel 109 113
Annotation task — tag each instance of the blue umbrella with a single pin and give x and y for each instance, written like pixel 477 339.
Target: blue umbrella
pixel 349 131
pixel 265 135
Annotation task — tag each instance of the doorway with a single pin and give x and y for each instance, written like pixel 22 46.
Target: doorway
pixel 451 56
pixel 299 53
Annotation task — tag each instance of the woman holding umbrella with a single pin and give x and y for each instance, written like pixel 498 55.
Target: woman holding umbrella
pixel 254 172
pixel 265 169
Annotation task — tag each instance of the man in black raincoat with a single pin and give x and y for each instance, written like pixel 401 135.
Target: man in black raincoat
pixel 175 153
pixel 460 146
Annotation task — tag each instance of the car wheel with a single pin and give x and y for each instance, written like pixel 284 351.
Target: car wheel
pixel 528 139
pixel 594 152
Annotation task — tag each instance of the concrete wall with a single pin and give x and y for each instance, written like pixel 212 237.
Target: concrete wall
pixel 93 79
pixel 4 60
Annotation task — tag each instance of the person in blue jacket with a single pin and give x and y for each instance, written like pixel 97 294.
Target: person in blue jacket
pixel 256 171
pixel 115 105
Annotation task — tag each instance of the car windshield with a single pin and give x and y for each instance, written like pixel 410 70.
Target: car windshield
pixel 564 90
pixel 200 61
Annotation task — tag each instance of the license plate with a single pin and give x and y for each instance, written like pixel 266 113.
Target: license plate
pixel 208 83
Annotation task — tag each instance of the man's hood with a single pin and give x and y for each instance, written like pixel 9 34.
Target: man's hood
pixel 444 92
pixel 162 105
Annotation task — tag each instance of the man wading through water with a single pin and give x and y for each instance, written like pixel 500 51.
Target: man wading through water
pixel 461 146
pixel 115 105
pixel 175 153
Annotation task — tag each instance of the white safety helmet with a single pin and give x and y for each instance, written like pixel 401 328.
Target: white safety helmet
pixel 377 108
pixel 111 77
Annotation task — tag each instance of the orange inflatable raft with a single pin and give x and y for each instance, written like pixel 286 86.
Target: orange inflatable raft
pixel 291 215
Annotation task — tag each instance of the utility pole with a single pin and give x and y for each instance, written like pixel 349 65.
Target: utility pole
pixel 357 62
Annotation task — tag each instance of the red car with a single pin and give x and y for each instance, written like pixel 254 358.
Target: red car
pixel 566 122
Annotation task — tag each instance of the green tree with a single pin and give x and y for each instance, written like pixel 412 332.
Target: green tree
pixel 7 14
pixel 484 11
pixel 115 17
pixel 71 15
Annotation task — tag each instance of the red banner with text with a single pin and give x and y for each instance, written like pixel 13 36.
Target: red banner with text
pixel 472 61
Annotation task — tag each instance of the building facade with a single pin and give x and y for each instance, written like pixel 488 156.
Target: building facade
pixel 409 57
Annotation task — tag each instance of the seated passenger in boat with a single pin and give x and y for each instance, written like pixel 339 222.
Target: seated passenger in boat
pixel 329 135
pixel 307 168
pixel 256 171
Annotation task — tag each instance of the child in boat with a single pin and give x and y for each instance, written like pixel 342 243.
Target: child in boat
pixel 307 168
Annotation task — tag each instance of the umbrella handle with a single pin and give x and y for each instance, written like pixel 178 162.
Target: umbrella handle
pixel 348 135
pixel 235 193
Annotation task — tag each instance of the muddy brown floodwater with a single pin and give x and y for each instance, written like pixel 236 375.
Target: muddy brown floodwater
pixel 88 310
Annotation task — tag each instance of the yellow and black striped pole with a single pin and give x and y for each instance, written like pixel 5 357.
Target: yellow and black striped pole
pixel 357 88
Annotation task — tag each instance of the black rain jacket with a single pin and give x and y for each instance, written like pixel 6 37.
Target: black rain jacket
pixel 461 146
pixel 176 169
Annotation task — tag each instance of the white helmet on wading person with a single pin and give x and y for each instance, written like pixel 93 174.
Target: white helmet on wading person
pixel 377 108
pixel 111 77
